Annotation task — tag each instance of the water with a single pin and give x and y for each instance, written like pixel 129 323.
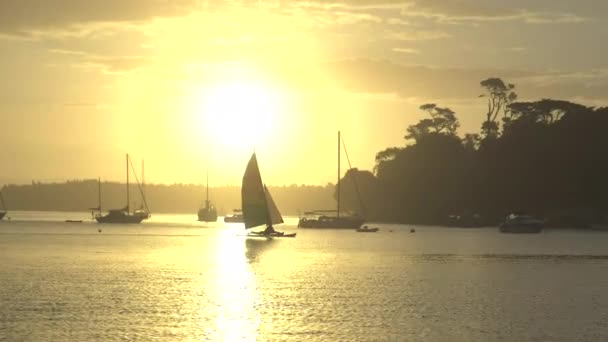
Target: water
pixel 174 279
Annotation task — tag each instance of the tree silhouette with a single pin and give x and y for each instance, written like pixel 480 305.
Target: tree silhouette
pixel 548 160
pixel 442 121
pixel 499 95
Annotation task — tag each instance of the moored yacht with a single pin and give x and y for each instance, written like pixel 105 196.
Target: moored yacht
pixel 333 219
pixel 123 215
pixel 207 213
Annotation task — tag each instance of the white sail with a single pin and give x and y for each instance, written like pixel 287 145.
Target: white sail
pixel 273 212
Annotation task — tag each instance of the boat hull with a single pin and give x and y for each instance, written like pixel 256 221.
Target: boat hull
pixel 521 229
pixel 233 219
pixel 206 215
pixel 271 235
pixel 126 219
pixel 2 213
pixel 367 230
pixel 331 223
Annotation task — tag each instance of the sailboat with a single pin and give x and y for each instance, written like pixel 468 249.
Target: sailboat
pixel 142 211
pixel 122 215
pixel 258 207
pixel 3 211
pixel 208 213
pixel 333 219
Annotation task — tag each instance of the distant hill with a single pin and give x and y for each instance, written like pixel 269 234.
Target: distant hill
pixel 79 195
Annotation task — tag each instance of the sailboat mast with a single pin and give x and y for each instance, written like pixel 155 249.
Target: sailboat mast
pixel 99 193
pixel 338 183
pixel 207 187
pixel 127 158
pixel 143 181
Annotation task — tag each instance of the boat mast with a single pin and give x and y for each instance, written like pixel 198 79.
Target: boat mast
pixel 143 181
pixel 127 159
pixel 207 187
pixel 338 183
pixel 99 193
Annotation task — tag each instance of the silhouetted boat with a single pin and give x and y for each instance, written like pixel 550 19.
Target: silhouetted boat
pixel 142 211
pixel 3 211
pixel 331 218
pixel 519 223
pixel 208 213
pixel 366 229
pixel 122 215
pixel 235 217
pixel 258 207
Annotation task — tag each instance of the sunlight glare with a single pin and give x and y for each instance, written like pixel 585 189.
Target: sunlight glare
pixel 239 114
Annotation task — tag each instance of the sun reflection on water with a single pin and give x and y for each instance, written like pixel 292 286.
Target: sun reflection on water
pixel 234 291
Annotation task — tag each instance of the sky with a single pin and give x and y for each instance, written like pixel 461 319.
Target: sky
pixel 196 86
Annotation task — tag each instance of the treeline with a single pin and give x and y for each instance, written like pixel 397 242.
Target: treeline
pixel 547 158
pixel 80 195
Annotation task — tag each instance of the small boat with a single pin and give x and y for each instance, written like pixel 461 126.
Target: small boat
pixel 332 219
pixel 258 207
pixel 123 215
pixel 3 211
pixel 519 223
pixel 208 213
pixel 235 217
pixel 366 229
pixel 73 221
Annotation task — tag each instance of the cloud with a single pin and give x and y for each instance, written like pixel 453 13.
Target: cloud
pixel 406 50
pixel 107 63
pixel 20 17
pixel 457 84
pixel 411 35
pixel 457 11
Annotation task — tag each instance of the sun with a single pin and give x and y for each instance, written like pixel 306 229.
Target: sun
pixel 239 114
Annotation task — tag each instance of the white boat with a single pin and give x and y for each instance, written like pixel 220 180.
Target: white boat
pixel 258 207
pixel 518 223
pixel 235 217
pixel 366 229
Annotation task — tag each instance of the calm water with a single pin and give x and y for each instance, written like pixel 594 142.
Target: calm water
pixel 173 279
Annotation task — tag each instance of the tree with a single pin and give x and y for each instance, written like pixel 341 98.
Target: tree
pixel 442 121
pixel 499 95
pixel 545 111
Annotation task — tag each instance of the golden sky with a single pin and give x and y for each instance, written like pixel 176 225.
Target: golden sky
pixel 195 85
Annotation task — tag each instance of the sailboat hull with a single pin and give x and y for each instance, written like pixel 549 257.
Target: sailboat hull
pixel 124 218
pixel 207 215
pixel 331 223
pixel 123 215
pixel 271 235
